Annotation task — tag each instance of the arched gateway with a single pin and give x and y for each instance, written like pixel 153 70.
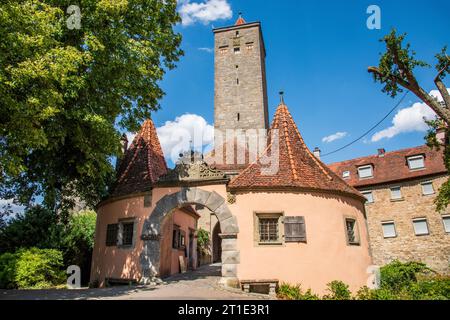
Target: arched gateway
pixel 152 232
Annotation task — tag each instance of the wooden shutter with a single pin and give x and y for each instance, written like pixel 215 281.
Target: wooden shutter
pixel 294 229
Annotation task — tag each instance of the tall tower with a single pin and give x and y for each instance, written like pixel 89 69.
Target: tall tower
pixel 240 97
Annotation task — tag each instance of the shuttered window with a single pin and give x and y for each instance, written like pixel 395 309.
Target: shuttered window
pixel 111 234
pixel 294 229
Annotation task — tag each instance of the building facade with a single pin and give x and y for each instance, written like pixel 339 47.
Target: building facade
pixel 400 188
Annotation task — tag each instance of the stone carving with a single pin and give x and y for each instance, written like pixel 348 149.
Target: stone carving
pixel 231 198
pixel 192 167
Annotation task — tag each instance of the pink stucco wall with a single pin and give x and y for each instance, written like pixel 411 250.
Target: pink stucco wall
pixel 186 223
pixel 116 262
pixel 325 257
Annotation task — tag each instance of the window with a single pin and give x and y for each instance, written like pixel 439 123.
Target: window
pixel 446 221
pixel 237 81
pixel 178 238
pixel 389 229
pixel 346 174
pixel 250 46
pixel 396 193
pixel 416 162
pixel 268 230
pixel 420 227
pixel 237 33
pixel 127 233
pixel 368 195
pixel 238 116
pixel 365 172
pixel 237 50
pixel 294 229
pixel 175 237
pixel 352 231
pixel 223 50
pixel 427 188
pixel 111 234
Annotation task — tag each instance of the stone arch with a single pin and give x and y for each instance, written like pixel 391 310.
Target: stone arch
pixel 151 233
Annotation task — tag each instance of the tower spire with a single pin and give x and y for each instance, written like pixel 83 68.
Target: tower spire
pixel 281 97
pixel 240 20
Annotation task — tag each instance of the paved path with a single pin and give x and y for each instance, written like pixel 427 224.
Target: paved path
pixel 201 284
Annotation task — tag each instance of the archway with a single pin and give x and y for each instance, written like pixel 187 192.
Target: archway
pixel 152 232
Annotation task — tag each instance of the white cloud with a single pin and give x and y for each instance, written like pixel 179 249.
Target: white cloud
pixel 409 119
pixel 209 50
pixel 335 136
pixel 204 12
pixel 176 136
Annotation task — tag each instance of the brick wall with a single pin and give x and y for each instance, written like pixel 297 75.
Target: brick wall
pixel 432 249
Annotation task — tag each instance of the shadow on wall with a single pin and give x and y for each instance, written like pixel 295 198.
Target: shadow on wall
pixel 116 262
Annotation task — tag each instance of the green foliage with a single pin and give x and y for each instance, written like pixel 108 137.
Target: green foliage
pixel 36 227
pixel 399 281
pixel 7 270
pixel 397 275
pixel 396 71
pixel 443 198
pixel 78 242
pixel 39 227
pixel 396 63
pixel 294 292
pixel 63 91
pixel 203 240
pixel 31 269
pixel 338 291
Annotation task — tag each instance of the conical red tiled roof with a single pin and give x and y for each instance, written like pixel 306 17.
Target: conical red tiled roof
pixel 298 167
pixel 142 164
pixel 240 21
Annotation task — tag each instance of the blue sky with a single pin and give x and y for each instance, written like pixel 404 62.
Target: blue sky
pixel 318 53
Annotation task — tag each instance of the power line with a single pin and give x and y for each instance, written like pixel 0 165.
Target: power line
pixel 368 131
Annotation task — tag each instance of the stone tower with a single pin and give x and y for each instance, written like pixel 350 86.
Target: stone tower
pixel 240 99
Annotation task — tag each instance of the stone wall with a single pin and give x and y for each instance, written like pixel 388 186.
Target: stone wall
pixel 432 249
pixel 240 79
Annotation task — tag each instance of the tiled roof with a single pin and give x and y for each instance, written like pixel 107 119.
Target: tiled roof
pixel 142 164
pixel 298 167
pixel 392 166
pixel 240 21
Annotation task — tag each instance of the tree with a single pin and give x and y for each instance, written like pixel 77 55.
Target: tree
pixel 36 227
pixel 66 93
pixel 396 72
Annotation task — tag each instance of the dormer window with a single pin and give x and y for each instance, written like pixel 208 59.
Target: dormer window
pixel 365 172
pixel 416 162
pixel 346 174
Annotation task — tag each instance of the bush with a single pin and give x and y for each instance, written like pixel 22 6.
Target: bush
pixel 397 276
pixel 338 291
pixel 78 242
pixel 399 281
pixel 31 269
pixel 7 270
pixel 294 292
pixel 36 227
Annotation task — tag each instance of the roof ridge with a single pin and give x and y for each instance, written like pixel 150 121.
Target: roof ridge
pixel 376 156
